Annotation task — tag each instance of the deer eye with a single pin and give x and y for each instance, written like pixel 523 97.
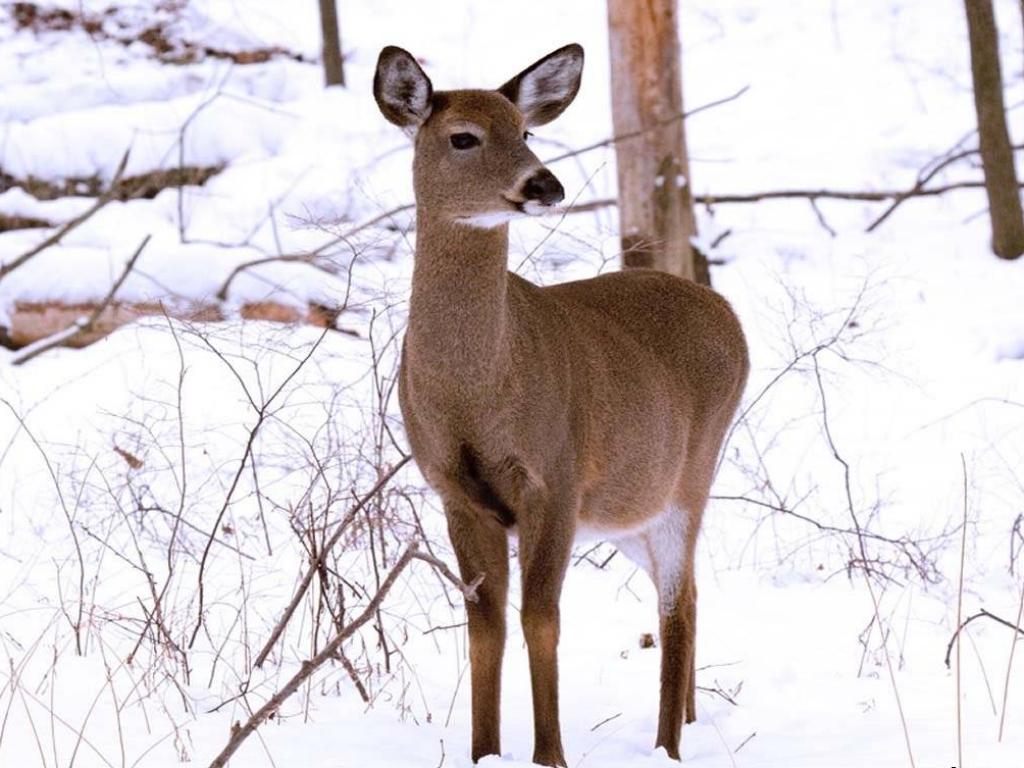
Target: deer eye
pixel 464 140
pixel 526 135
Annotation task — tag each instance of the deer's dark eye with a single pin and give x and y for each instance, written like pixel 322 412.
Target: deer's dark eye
pixel 526 135
pixel 464 140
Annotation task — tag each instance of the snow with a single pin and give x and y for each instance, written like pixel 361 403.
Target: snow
pixel 920 338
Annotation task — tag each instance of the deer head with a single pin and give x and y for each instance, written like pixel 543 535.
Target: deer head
pixel 472 164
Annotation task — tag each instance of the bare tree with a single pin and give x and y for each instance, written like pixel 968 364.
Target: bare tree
pixel 655 196
pixel 334 72
pixel 996 151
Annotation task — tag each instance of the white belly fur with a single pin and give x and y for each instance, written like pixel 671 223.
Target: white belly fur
pixel 658 546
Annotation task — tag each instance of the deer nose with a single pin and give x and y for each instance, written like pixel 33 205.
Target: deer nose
pixel 544 188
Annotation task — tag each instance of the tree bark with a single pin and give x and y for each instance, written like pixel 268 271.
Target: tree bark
pixel 655 197
pixel 334 72
pixel 994 139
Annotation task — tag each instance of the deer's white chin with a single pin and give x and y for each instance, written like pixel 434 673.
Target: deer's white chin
pixel 496 218
pixel 533 208
pixel 489 220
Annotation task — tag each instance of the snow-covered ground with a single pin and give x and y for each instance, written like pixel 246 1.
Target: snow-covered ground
pixel 121 463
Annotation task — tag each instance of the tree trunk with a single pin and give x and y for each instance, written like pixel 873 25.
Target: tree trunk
pixel 334 73
pixel 655 198
pixel 994 140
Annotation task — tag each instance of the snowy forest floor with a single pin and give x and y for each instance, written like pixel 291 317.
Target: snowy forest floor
pixel 163 490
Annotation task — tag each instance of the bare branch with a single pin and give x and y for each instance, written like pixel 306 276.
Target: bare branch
pixel 240 733
pixel 923 177
pixel 633 134
pixel 800 194
pixel 847 485
pixel 468 590
pixel 309 258
pixel 979 615
pixel 262 412
pixel 316 564
pixel 102 200
pixel 83 325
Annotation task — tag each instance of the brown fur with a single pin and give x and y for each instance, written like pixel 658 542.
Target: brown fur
pixel 598 402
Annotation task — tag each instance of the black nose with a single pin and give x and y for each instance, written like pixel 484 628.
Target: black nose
pixel 544 188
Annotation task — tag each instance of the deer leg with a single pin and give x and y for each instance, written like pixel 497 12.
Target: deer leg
pixel 666 551
pixel 691 689
pixel 678 636
pixel 481 546
pixel 544 554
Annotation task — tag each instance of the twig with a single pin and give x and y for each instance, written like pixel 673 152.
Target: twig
pixel 222 292
pixel 745 742
pixel 821 217
pixel 76 624
pixel 82 325
pixel 102 200
pixel 181 149
pixel 240 733
pixel 468 590
pixel 910 548
pixel 863 550
pixel 642 131
pixel 333 648
pixel 959 615
pixel 315 565
pixel 923 178
pixel 606 720
pixel 353 675
pixel 262 413
pixel 708 199
pixel 870 196
pixel 1009 662
pixel 979 615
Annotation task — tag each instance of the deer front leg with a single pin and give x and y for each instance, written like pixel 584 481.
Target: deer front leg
pixel 481 546
pixel 545 547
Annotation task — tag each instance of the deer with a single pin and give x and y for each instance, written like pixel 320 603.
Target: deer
pixel 597 406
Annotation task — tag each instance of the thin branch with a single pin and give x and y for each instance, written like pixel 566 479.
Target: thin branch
pixel 69 516
pixel 320 559
pixel 924 177
pixel 979 615
pixel 800 194
pixel 222 292
pixel 1009 662
pixel 81 326
pixel 102 200
pixel 847 485
pixel 959 616
pixel 240 733
pixel 821 217
pixel 262 413
pixel 660 124
pixel 468 590
pixel 910 548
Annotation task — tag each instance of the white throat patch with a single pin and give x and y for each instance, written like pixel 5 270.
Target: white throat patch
pixel 489 220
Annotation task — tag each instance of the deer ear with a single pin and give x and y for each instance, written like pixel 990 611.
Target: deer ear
pixel 544 89
pixel 401 88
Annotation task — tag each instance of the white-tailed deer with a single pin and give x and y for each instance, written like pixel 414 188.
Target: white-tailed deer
pixel 599 404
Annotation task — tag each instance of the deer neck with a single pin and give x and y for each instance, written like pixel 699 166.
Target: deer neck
pixel 458 312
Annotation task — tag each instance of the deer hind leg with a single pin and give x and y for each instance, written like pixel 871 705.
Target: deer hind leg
pixel 481 546
pixel 691 689
pixel 545 545
pixel 665 550
pixel 678 652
